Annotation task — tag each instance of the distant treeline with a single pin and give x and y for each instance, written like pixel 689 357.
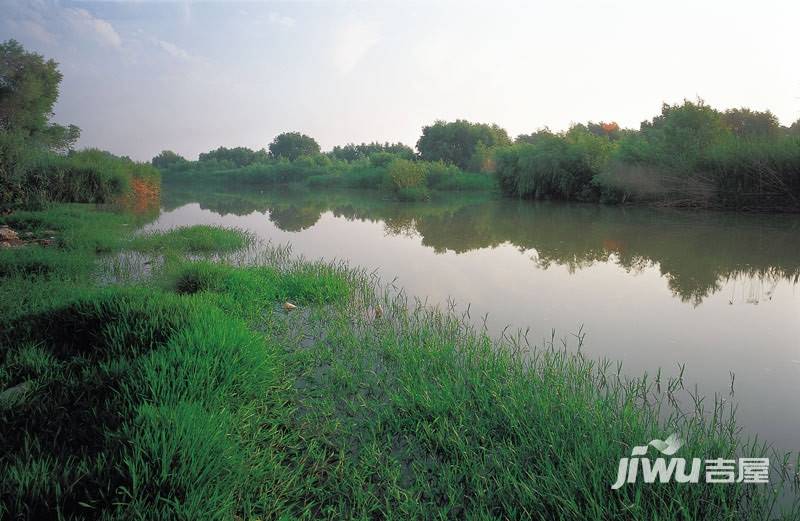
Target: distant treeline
pixel 37 161
pixel 689 155
pixel 296 158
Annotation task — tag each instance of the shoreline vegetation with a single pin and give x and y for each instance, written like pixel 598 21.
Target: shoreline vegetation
pixel 163 375
pixel 691 155
pixel 159 376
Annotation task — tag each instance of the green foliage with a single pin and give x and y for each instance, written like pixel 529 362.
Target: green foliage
pixel 757 174
pixel 198 239
pixel 555 167
pixel 677 137
pixel 383 159
pixel 321 171
pixel 689 155
pixel 238 156
pixel 352 152
pixel 534 137
pixel 746 123
pixel 407 180
pixel 292 145
pixel 457 142
pixel 406 174
pixel 167 159
pixel 28 89
pixel 88 176
pixel 28 92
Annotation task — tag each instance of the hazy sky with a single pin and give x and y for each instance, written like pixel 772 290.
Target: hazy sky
pixel 142 76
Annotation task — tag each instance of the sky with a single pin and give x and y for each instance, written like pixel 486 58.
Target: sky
pixel 143 76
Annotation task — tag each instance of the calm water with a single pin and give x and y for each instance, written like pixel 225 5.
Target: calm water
pixel 652 288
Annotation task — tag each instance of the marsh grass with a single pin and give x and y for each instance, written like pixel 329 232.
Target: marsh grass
pixel 191 394
pixel 200 239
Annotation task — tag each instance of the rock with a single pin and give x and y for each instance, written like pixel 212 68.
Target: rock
pixel 378 311
pixel 288 306
pixel 7 234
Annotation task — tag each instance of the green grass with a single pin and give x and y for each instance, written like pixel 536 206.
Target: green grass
pixel 199 239
pixel 34 177
pixel 194 395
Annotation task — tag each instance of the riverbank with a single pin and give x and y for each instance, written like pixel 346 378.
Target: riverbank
pixel 160 376
pixel 397 178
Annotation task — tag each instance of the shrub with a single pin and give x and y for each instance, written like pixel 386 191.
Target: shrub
pixel 759 174
pixel 405 174
pixel 553 168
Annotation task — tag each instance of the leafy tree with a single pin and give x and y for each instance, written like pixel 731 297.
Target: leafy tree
pixel 457 142
pixel 534 137
pixel 238 156
pixel 691 125
pixel 292 145
pixel 28 92
pixel 748 123
pixel 606 129
pixel 167 159
pixel 28 88
pixel 676 138
pixel 353 152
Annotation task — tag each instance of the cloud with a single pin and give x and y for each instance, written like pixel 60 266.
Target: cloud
pixel 351 42
pixel 279 19
pixel 82 21
pixel 173 50
pixel 48 22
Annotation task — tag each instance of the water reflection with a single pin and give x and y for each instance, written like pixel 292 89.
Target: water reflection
pixel 651 288
pixel 698 253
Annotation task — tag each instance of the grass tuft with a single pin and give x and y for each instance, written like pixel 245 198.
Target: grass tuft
pixel 200 239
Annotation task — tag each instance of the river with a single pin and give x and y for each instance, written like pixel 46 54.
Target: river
pixel 652 288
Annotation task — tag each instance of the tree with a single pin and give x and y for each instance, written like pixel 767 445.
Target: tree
pixel 28 92
pixel 28 88
pixel 534 137
pixel 457 142
pixel 748 123
pixel 167 159
pixel 677 137
pixel 352 152
pixel 292 145
pixel 239 156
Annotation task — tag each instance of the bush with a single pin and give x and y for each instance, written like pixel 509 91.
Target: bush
pixel 759 174
pixel 405 174
pixel 88 176
pixel 553 168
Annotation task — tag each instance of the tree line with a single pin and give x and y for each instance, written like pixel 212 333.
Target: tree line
pixel 690 154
